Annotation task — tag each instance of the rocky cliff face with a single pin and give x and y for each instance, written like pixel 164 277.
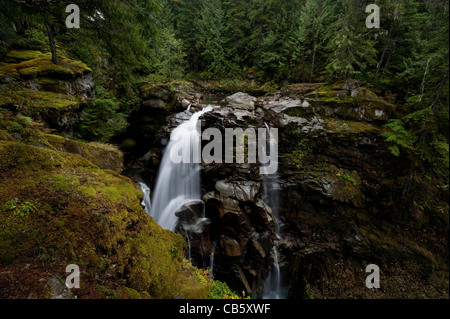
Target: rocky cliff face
pixel 341 205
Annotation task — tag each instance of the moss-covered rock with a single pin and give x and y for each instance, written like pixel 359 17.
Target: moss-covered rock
pixel 33 85
pixel 104 156
pixel 31 64
pixel 358 104
pixel 57 208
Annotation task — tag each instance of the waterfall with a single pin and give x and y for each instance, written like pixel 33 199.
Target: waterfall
pixel 272 189
pixel 271 195
pixel 211 259
pixel 189 246
pixel 146 202
pixel 178 183
pixel 272 285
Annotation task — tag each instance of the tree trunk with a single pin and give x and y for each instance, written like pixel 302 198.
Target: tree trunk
pixel 387 61
pixel 386 46
pixel 313 61
pixel 51 40
pixel 380 63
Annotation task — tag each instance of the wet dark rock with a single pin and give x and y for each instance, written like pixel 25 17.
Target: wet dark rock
pixel 340 204
pixel 190 211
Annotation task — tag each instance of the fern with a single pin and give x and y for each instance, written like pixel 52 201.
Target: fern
pixel 398 137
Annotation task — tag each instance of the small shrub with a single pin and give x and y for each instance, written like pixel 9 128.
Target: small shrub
pixel 102 120
pixel 20 209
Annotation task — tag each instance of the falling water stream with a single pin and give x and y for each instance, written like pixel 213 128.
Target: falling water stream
pixel 146 202
pixel 178 183
pixel 211 259
pixel 271 194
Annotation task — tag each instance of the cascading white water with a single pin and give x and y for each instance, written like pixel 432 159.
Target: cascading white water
pixel 146 202
pixel 178 183
pixel 272 285
pixel 271 194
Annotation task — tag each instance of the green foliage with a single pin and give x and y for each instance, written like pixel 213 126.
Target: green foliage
pixel 169 56
pixel 349 178
pixel 308 293
pixel 398 137
pixel 220 290
pixel 173 251
pixel 300 153
pixel 350 45
pixel 19 208
pixel 32 39
pixel 211 42
pixel 102 120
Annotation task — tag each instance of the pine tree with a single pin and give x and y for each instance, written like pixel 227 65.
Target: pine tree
pixel 426 73
pixel 350 46
pixel 274 51
pixel 186 12
pixel 308 39
pixel 168 56
pixel 211 39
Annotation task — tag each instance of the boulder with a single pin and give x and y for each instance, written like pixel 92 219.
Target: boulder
pixel 190 211
pixel 242 101
pixel 185 103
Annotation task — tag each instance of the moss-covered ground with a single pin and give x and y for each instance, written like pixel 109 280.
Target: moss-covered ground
pixel 58 208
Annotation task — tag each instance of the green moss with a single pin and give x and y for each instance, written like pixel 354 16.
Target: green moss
pixel 17 55
pixel 87 191
pixel 4 135
pixel 128 293
pixel 65 183
pixel 104 156
pixel 300 112
pixel 33 64
pixel 42 65
pixel 299 89
pixel 300 152
pixel 350 127
pixel 19 156
pixel 25 98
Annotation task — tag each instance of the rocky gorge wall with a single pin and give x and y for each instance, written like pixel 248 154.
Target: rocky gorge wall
pixel 341 205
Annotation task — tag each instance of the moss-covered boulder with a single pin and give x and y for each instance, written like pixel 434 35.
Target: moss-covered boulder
pixel 31 64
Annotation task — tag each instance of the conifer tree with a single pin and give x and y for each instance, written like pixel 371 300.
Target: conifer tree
pixel 351 47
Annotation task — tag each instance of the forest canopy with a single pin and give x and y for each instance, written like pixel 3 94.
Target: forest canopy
pixel 128 43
